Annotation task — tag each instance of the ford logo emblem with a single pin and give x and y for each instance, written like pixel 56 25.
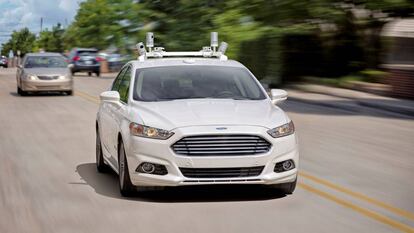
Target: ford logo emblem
pixel 221 128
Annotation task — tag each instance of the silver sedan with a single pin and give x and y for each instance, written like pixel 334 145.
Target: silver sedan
pixel 44 72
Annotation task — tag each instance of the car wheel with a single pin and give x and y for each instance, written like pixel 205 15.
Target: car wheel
pixel 89 73
pixel 22 93
pixel 98 74
pixel 100 164
pixel 19 91
pixel 69 92
pixel 125 186
pixel 286 188
pixel 73 73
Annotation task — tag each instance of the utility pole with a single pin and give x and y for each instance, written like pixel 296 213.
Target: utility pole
pixel 41 24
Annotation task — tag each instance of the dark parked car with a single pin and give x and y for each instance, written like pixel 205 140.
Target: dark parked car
pixel 85 60
pixel 3 61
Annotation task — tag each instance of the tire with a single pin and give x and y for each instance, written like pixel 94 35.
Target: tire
pixel 73 73
pixel 100 164
pixel 98 74
pixel 126 188
pixel 287 188
pixel 89 74
pixel 69 92
pixel 21 92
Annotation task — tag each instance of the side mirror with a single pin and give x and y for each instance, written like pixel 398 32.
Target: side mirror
pixel 110 96
pixel 70 66
pixel 278 95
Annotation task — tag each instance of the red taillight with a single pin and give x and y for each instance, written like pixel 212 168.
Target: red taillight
pixel 99 59
pixel 76 58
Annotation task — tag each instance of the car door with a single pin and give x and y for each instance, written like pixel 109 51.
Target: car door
pixel 106 121
pixel 119 113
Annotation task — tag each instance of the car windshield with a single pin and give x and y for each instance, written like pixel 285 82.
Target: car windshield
pixel 45 62
pixel 190 82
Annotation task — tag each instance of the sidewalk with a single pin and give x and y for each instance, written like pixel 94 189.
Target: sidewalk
pixel 348 99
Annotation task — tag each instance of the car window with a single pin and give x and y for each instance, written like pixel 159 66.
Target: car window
pixel 45 62
pixel 87 53
pixel 189 82
pixel 115 84
pixel 124 85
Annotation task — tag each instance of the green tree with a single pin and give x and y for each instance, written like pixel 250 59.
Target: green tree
pixel 23 41
pixel 51 41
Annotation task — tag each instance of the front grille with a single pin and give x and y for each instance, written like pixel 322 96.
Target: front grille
pixel 221 145
pixel 48 77
pixel 232 172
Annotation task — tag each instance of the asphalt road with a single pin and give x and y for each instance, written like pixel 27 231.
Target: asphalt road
pixel 357 172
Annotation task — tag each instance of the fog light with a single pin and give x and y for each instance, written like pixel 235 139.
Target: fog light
pixel 284 166
pixel 148 167
pixel 287 165
pixel 151 168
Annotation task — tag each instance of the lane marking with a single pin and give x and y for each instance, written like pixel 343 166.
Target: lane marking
pixel 88 97
pixel 371 214
pixel 359 196
pixel 366 212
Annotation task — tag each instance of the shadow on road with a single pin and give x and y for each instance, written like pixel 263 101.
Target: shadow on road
pixel 107 185
pixel 102 76
pixel 39 94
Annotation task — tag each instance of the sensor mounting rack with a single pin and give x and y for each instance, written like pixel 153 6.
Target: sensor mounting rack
pixel 159 52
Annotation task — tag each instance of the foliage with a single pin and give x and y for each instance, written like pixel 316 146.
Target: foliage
pixel 51 41
pixel 23 41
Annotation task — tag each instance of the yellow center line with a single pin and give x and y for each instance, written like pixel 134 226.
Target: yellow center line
pixel 359 196
pixel 366 212
pixel 86 96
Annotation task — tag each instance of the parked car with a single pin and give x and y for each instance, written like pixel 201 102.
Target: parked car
pixel 193 118
pixel 4 62
pixel 115 60
pixel 85 60
pixel 40 72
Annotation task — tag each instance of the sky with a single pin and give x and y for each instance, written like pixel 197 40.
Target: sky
pixel 16 14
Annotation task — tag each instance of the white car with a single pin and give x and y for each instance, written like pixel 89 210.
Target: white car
pixel 195 118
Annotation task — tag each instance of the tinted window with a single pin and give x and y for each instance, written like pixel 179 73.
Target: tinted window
pixel 115 84
pixel 45 61
pixel 124 85
pixel 87 52
pixel 187 82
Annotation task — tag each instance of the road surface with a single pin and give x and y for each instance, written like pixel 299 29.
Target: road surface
pixel 357 172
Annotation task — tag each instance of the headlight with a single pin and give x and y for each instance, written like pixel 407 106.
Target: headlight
pixel 281 131
pixel 62 77
pixel 31 77
pixel 149 132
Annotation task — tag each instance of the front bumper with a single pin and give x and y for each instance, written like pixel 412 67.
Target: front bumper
pixel 86 68
pixel 155 151
pixel 47 85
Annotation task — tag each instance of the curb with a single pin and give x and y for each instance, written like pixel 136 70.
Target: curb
pixel 394 109
pixel 361 102
pixel 345 107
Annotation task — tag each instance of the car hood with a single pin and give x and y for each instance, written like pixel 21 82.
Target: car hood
pixel 47 71
pixel 181 113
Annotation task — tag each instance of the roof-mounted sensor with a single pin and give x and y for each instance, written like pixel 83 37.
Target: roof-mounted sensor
pixel 212 51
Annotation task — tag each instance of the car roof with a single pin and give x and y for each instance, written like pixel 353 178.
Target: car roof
pixel 43 54
pixel 181 61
